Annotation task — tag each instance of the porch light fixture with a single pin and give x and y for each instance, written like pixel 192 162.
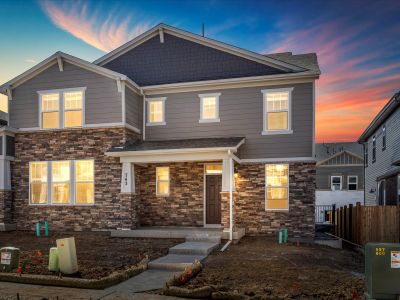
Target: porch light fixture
pixel 372 191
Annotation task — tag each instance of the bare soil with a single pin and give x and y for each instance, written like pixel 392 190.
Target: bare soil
pixel 262 269
pixel 98 254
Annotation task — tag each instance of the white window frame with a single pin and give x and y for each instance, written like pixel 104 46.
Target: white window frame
pixel 348 182
pixel 267 131
pixel 61 110
pixel 51 182
pixel 72 181
pixel 148 101
pixel 341 182
pixel 83 181
pixel 213 120
pixel 169 182
pixel 283 186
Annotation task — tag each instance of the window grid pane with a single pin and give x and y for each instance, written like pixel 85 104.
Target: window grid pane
pixel 156 113
pixel 73 100
pixel 50 102
pixel 84 176
pixel 162 178
pixel 60 184
pixel 38 182
pixel 277 182
pixel 209 108
pixel 277 111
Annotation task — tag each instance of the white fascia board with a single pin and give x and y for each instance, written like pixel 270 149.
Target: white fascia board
pixel 252 81
pixel 176 157
pixel 197 39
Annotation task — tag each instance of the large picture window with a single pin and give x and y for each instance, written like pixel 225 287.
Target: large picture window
pixel 62 108
pixel 62 182
pixel 162 174
pixel 277 186
pixel 277 111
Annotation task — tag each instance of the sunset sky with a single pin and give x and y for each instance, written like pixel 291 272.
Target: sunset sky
pixel 357 42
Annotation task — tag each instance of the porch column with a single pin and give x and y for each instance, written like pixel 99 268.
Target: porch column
pixel 128 178
pixel 227 173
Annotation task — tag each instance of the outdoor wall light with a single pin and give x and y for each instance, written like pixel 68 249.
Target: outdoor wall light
pixel 236 175
pixel 372 191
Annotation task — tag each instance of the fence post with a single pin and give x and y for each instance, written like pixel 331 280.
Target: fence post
pixel 333 214
pixel 350 237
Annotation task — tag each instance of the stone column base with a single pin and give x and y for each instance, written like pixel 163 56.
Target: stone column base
pixel 6 211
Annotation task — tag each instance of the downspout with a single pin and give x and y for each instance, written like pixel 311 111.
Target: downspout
pixel 144 115
pixel 230 203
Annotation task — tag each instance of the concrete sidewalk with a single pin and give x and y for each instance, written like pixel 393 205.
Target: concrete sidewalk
pixel 9 291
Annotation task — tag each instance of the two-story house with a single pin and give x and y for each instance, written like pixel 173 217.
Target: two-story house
pixel 170 129
pixel 339 174
pixel 381 140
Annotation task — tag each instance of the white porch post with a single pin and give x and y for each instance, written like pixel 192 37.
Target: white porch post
pixel 225 175
pixel 230 198
pixel 128 178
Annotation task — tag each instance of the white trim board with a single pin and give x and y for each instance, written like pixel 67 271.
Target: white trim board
pixel 166 29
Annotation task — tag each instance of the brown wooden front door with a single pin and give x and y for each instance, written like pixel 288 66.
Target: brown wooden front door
pixel 213 199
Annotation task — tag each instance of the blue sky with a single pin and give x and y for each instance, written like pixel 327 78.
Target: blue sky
pixel 357 42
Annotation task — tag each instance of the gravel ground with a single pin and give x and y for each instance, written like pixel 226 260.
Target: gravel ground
pixel 98 254
pixel 262 269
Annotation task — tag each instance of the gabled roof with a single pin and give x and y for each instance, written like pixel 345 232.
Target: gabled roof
pixel 327 150
pixel 60 57
pixel 342 158
pixel 386 111
pixel 163 28
pixel 308 61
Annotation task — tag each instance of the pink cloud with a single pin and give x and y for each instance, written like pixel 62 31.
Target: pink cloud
pixel 354 84
pixel 85 24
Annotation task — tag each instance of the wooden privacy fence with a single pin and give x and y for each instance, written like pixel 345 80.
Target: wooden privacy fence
pixel 363 224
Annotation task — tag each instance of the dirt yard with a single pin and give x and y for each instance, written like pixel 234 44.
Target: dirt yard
pixel 98 254
pixel 263 269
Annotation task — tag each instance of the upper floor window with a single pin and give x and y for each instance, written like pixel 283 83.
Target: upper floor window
pixel 352 182
pixel 162 181
pixel 156 111
pixel 277 111
pixel 3 103
pixel 62 108
pixel 209 107
pixel 384 137
pixel 366 154
pixel 374 149
pixel 277 186
pixel 336 183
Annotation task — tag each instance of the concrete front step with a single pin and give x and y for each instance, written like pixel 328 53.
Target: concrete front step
pixel 175 262
pixel 208 238
pixel 195 248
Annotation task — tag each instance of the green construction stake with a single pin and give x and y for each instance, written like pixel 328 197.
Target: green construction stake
pixel 38 229
pixel 280 235
pixel 46 228
pixel 285 235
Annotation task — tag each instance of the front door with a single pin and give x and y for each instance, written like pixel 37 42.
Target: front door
pixel 213 199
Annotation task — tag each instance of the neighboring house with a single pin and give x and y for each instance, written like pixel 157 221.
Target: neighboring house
pixel 170 129
pixel 381 141
pixel 340 174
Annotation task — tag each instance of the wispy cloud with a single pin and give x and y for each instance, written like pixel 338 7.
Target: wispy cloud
pixel 30 60
pixel 356 81
pixel 85 23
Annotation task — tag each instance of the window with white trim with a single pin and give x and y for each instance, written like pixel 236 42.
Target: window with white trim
pixel 4 103
pixel 277 187
pixel 156 111
pixel 352 182
pixel 383 137
pixel 73 109
pixel 373 149
pixel 62 108
pixel 336 183
pixel 162 181
pixel 66 182
pixel 277 111
pixel 209 107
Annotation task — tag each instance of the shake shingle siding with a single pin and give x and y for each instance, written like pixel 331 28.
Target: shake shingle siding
pixel 384 159
pixel 103 103
pixel 179 60
pixel 241 114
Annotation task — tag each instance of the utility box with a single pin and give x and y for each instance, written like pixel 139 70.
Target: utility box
pixel 9 259
pixel 53 260
pixel 67 260
pixel 382 271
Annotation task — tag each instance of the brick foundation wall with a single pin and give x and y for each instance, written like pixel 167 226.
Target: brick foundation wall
pixel 184 205
pixel 249 201
pixel 6 207
pixel 111 209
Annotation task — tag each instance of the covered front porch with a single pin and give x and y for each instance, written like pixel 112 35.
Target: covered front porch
pixel 180 188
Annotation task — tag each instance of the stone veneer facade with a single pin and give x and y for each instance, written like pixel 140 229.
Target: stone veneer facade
pixel 111 209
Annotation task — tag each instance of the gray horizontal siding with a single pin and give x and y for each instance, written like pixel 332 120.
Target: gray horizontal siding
pixel 323 176
pixel 384 158
pixel 133 109
pixel 103 103
pixel 180 60
pixel 241 114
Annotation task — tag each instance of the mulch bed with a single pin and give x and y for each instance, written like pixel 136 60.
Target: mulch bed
pixel 260 268
pixel 98 254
